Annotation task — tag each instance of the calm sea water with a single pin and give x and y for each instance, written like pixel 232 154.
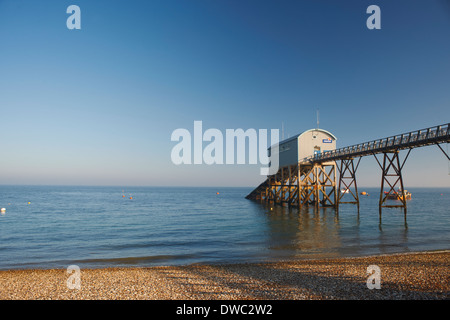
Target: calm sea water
pixel 55 226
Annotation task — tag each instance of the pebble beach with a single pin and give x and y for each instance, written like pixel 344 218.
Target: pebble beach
pixel 423 276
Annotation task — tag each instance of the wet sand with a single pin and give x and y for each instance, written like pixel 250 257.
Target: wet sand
pixel 403 276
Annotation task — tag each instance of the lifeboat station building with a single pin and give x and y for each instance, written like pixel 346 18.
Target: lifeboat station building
pixel 298 180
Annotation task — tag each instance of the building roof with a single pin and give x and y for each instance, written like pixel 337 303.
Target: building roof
pixel 321 130
pixel 310 130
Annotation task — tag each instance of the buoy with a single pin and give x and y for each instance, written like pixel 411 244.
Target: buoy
pixel 131 197
pixel 29 202
pixel 123 196
pixel 3 210
pixel 217 193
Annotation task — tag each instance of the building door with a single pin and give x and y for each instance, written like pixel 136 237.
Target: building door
pixel 316 150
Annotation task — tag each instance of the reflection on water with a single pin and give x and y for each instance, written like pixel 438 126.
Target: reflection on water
pixel 309 231
pixel 323 232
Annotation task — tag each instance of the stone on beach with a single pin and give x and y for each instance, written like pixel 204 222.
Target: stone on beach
pixel 403 276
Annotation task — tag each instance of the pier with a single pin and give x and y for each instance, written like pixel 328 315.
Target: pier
pixel 318 179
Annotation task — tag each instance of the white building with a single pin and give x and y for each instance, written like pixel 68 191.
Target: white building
pixel 309 143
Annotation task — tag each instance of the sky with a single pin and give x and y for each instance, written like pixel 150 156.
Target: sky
pixel 98 105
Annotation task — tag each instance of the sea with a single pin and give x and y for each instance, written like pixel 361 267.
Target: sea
pixel 46 227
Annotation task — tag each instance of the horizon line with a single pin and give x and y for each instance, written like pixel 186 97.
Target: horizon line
pixel 170 186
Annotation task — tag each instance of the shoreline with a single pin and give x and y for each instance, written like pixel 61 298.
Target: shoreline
pixel 403 276
pixel 217 264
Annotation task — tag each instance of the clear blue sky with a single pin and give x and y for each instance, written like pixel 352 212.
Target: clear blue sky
pixel 97 106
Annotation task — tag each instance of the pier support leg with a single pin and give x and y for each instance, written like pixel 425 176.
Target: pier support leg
pixel 283 187
pixel 443 151
pixel 290 183
pixel 306 185
pixel 318 185
pixel 293 189
pixel 391 178
pixel 347 181
pixel 327 187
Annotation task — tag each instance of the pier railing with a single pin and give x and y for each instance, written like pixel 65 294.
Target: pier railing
pixel 409 140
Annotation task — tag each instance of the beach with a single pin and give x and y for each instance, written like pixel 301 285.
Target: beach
pixel 422 275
